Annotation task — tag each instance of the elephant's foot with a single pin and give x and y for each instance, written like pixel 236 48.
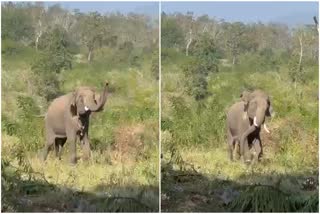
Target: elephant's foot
pixel 85 158
pixel 43 157
pixel 44 153
pixel 248 162
pixel 73 160
pixel 230 157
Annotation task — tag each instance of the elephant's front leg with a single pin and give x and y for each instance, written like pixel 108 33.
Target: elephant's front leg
pixel 85 146
pixel 257 150
pixel 230 145
pixel 246 155
pixel 72 138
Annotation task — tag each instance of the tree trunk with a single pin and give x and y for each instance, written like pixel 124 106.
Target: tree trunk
pixel 89 55
pixel 37 40
pixel 233 60
pixel 189 43
pixel 39 34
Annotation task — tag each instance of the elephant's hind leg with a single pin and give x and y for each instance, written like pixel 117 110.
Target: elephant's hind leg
pixel 46 149
pixel 72 138
pixel 230 145
pixel 59 146
pixel 236 151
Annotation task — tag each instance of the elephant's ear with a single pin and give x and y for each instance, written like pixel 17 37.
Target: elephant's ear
pixel 73 103
pixel 245 97
pixel 269 109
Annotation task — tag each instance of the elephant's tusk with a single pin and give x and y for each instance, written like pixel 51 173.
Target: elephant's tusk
pixel 255 121
pixel 86 108
pixel 266 128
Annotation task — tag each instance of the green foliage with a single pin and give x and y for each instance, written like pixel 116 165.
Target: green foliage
pixel 56 54
pixel 121 204
pixel 259 198
pixel 126 54
pixel 9 127
pixel 30 131
pixel 192 123
pixel 206 49
pixel 196 72
pixel 54 58
pixel 16 23
pixel 234 39
pixel 296 70
pixel 171 34
pixel 262 199
pixel 170 54
pixel 155 64
pixel 10 47
pixel 310 204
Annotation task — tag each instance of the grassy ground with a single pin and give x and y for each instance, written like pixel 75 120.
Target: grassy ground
pixel 122 174
pixel 212 182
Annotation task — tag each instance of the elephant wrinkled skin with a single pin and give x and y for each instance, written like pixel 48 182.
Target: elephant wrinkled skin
pixel 67 119
pixel 244 121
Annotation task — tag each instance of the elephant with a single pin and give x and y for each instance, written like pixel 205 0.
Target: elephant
pixel 244 121
pixel 67 119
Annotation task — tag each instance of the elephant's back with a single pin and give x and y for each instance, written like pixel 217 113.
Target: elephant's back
pixel 236 120
pixel 235 110
pixel 58 105
pixel 55 115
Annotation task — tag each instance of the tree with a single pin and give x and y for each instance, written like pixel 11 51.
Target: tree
pixel 39 21
pixel 55 57
pixel 233 38
pixel 305 48
pixel 16 24
pixel 155 64
pixel 92 31
pixel 171 33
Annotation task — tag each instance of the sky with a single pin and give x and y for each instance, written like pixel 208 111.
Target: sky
pixel 149 8
pixel 290 13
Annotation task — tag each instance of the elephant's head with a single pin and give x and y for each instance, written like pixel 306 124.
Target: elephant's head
pixel 257 106
pixel 85 99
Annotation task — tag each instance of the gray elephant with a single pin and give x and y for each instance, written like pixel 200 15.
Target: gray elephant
pixel 68 117
pixel 244 121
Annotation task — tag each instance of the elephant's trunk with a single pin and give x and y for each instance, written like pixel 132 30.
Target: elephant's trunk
pixel 243 138
pixel 259 117
pixel 102 100
pixel 258 120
